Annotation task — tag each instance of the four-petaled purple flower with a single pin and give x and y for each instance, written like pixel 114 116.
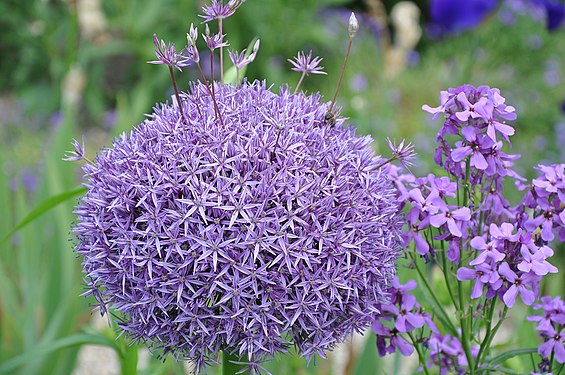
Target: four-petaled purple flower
pixel 518 285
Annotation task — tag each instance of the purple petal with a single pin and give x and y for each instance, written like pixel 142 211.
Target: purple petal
pixel 465 273
pixel 509 297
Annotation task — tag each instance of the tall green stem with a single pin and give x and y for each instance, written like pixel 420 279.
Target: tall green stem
pixel 444 314
pixel 421 357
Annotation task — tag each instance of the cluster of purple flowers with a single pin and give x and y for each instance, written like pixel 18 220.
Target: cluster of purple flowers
pixel 465 224
pixel 399 317
pixel 446 352
pixel 551 326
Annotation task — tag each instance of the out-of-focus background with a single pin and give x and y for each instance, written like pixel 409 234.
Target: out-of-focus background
pixel 78 68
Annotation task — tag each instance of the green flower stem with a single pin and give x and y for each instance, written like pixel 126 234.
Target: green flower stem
pixel 483 347
pixel 128 359
pixel 419 351
pixel 230 368
pixel 489 339
pixel 430 290
pixel 446 277
pixel 172 73
pixel 463 322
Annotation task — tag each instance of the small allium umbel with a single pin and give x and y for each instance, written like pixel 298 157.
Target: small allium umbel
pixel 268 231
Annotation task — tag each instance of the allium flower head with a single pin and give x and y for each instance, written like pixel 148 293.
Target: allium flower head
pixel 269 231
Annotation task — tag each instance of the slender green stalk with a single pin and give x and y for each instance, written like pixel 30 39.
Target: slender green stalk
pixel 300 82
pixel 218 115
pixel 483 348
pixel 493 332
pixel 341 74
pixel 231 368
pixel 176 91
pixel 464 329
pixel 221 52
pixel 421 357
pixel 446 277
pixel 434 297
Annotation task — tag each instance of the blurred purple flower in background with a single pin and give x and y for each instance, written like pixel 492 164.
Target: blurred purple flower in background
pixel 449 16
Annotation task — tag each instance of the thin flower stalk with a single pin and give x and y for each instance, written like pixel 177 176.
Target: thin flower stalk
pixel 353 27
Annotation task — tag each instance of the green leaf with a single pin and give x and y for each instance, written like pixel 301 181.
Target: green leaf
pixel 498 370
pixel 66 342
pixel 43 207
pixel 509 354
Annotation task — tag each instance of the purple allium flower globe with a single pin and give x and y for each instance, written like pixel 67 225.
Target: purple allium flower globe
pixel 270 231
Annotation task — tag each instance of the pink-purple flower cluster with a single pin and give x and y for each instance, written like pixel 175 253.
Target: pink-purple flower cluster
pixel 268 231
pixel 446 352
pixel 464 224
pixel 476 117
pixel 551 326
pixel 402 315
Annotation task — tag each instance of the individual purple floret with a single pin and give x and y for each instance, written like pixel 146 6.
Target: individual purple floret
pixel 167 55
pixel 403 152
pixel 273 230
pixel 241 59
pixel 214 41
pixel 551 326
pixel 77 154
pixel 219 10
pixel 306 64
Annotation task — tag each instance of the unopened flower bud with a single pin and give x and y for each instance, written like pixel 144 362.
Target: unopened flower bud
pixel 192 35
pixel 353 26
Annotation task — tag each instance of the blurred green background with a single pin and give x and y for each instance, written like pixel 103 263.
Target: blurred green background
pixel 78 67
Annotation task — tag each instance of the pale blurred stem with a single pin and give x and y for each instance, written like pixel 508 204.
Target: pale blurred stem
pixel 421 357
pixel 216 109
pixel 483 348
pixel 236 75
pixel 341 74
pixel 229 368
pixel 431 291
pixel 176 90
pixel 299 82
pixel 221 52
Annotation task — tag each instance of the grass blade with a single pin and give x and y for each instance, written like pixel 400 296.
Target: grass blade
pixel 45 206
